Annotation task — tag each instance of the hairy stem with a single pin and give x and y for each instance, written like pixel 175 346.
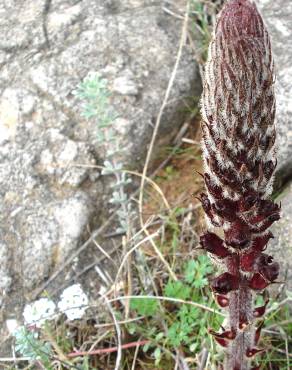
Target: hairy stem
pixel 240 308
pixel 240 319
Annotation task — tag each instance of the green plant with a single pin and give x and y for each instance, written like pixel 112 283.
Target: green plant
pixel 95 95
pixel 168 173
pixel 186 325
pixel 147 307
pixel 203 15
pixel 28 344
pixel 197 270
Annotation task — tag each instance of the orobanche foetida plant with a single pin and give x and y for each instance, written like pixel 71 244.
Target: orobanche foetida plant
pixel 238 111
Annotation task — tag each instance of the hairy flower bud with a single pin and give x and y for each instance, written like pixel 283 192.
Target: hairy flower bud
pixel 213 244
pixel 258 282
pixel 238 139
pixel 224 283
pixel 260 311
pixel 222 300
pixel 227 334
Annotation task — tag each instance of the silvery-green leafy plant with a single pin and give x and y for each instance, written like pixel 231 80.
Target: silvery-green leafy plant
pixel 30 346
pixel 94 93
pixel 238 110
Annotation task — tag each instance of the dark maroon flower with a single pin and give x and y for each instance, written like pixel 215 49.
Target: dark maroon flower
pixel 260 311
pixel 228 334
pixel 263 226
pixel 214 190
pixel 253 351
pixel 222 300
pixel 266 266
pixel 213 244
pixel 247 260
pixel 243 324
pixel 260 242
pixel 226 209
pixel 222 342
pixel 266 210
pixel 248 201
pixel 258 282
pixel 225 283
pixel 238 235
pixel 207 207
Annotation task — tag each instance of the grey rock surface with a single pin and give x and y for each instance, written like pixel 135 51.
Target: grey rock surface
pixel 277 15
pixel 281 245
pixel 49 190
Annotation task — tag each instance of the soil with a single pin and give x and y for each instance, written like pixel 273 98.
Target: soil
pixel 180 180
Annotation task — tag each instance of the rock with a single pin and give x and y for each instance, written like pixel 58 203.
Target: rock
pixel 34 204
pixel 5 279
pixel 277 15
pixel 125 84
pixel 65 160
pixel 9 108
pixel 21 24
pixel 48 230
pixel 281 246
pixel 60 20
pixel 72 215
pixel 50 190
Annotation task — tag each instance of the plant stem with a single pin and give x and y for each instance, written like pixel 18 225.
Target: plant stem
pixel 240 319
pixel 240 310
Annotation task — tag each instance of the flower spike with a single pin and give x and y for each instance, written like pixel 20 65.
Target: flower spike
pixel 238 139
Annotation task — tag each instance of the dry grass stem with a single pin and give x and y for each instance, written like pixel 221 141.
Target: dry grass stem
pixel 168 299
